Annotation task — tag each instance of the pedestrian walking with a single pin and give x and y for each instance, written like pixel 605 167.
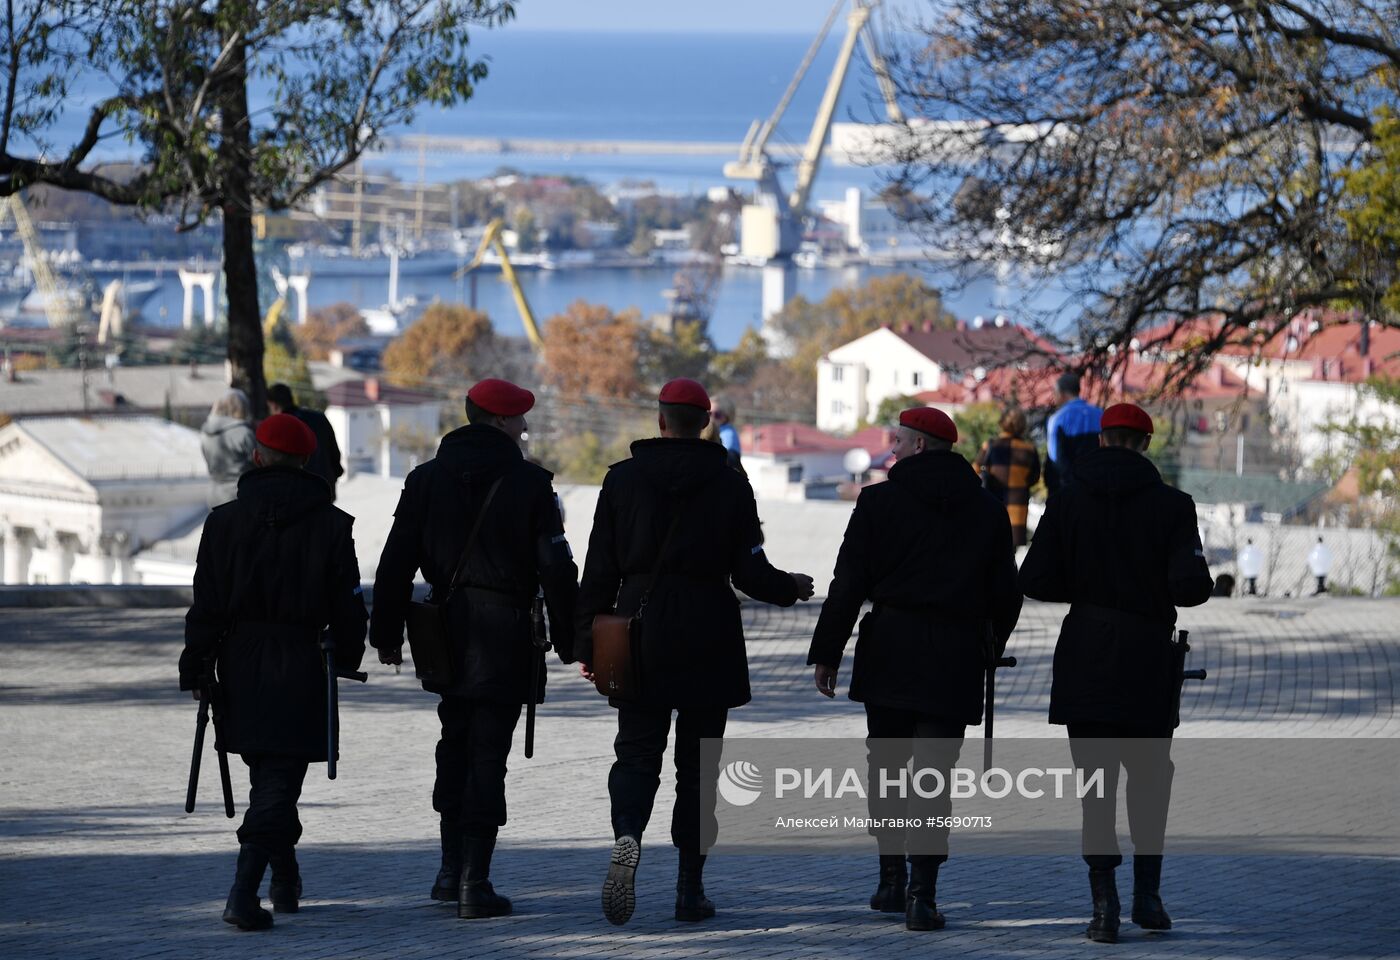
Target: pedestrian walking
pixel 674 526
pixel 1010 466
pixel 325 462
pixel 276 567
pixel 1122 548
pixel 932 551
pixel 482 523
pixel 1072 430
pixel 227 442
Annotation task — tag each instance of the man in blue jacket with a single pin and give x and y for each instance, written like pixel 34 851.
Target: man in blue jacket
pixel 1072 431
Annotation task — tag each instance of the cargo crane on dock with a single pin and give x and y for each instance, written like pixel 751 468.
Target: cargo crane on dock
pixel 771 226
pixel 492 237
pixel 61 303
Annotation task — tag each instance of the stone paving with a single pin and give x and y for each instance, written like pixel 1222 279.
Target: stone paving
pixel 98 858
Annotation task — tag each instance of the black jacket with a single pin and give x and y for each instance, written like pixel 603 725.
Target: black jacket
pixel 933 550
pixel 276 566
pixel 1122 547
pixel 692 640
pixel 325 461
pixel 519 548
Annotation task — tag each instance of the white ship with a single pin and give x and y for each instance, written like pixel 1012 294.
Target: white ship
pixel 321 260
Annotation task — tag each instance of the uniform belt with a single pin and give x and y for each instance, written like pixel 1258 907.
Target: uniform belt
pixel 701 577
pixel 1123 618
pixel 497 598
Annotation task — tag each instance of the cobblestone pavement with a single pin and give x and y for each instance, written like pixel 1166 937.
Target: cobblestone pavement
pixel 98 859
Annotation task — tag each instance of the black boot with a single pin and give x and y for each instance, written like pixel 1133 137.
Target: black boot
pixel 1148 911
pixel 244 909
pixel 921 912
pixel 1104 927
pixel 620 886
pixel 449 876
pixel 889 895
pixel 284 889
pixel 476 899
pixel 691 902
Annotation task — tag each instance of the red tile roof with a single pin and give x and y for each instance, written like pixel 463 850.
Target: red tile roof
pixel 356 393
pixel 776 439
pixel 965 348
pixel 1334 348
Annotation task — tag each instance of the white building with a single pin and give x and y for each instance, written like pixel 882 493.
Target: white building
pixel 382 429
pixel 796 461
pixel 79 496
pixel 1311 374
pixel 873 231
pixel 853 379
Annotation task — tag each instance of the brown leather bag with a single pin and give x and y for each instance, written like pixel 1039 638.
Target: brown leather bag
pixel 429 633
pixel 617 641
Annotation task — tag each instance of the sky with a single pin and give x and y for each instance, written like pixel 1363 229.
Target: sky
pixel 672 16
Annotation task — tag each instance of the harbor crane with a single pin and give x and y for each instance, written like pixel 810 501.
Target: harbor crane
pixel 492 237
pixel 62 304
pixel 771 226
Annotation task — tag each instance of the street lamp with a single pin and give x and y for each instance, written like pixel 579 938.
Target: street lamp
pixel 1320 563
pixel 1251 565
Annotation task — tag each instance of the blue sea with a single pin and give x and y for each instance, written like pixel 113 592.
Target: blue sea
pixel 626 86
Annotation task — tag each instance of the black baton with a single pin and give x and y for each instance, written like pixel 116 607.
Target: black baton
pixel 215 695
pixel 199 726
pixel 991 708
pixel 333 699
pixel 539 643
pixel 1198 674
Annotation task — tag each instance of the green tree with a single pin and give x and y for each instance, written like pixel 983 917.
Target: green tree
pixel 526 230
pixel 1370 446
pixel 179 75
pixel 740 364
pixel 1373 218
pixel 887 413
pixel 977 423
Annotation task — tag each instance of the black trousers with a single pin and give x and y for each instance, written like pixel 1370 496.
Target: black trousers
pixel 894 737
pixel 1145 753
pixel 271 820
pixel 636 774
pixel 470 790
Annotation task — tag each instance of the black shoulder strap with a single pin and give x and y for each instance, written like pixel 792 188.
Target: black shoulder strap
pixel 471 539
pixel 660 558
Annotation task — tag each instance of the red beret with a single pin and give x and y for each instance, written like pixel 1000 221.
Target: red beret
pixel 688 392
pixel 286 434
pixel 933 422
pixel 501 397
pixel 1126 416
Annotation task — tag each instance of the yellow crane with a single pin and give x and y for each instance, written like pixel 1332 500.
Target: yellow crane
pixel 62 304
pixel 492 237
pixel 771 226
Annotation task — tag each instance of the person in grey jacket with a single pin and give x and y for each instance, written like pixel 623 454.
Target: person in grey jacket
pixel 227 442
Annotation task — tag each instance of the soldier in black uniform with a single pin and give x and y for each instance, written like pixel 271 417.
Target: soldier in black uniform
pixel 933 550
pixel 519 547
pixel 1122 548
pixel 692 645
pixel 276 565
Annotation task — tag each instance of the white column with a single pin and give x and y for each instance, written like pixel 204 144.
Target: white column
pixel 300 283
pixel 207 284
pixel 189 279
pixel 187 311
pixel 776 280
pixel 18 547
